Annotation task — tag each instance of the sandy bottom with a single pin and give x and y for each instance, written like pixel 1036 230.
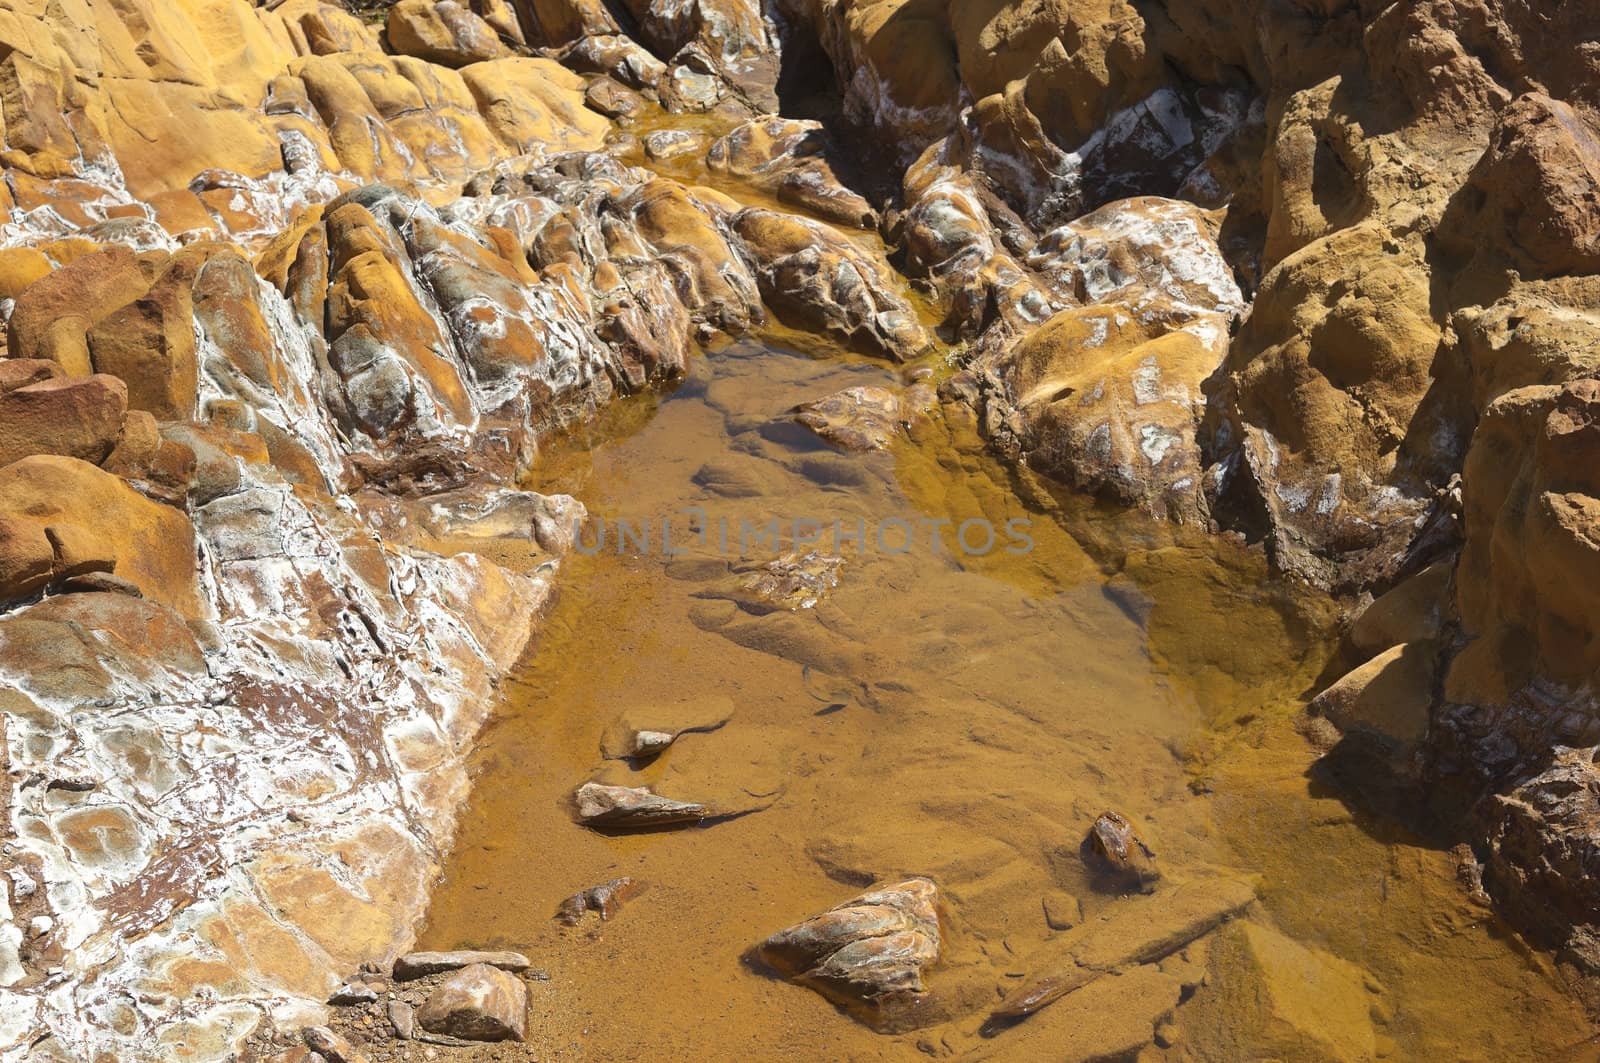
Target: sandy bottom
pixel 948 715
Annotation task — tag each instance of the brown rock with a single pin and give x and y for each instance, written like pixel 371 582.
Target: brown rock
pixel 632 808
pixel 1118 854
pixel 149 343
pixel 859 418
pixel 604 900
pixel 1389 696
pixel 333 1047
pixel 53 315
pixel 76 417
pixel 477 1003
pixel 150 544
pixel 869 954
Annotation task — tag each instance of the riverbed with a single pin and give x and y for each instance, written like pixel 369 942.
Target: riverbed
pixel 952 713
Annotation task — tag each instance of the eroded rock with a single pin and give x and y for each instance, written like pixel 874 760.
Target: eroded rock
pixel 869 954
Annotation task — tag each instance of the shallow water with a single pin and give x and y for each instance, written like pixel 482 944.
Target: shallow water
pixel 947 715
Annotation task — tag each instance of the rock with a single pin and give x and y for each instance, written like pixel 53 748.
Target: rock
pixel 790 159
pixel 1118 855
pixel 403 1017
pixel 612 99
pixel 605 900
pixel 414 965
pixel 788 584
pixel 666 144
pixel 90 520
pixel 441 31
pixel 98 583
pixel 646 732
pixel 858 418
pixel 1143 932
pixel 633 808
pixel 353 993
pixel 529 101
pixel 333 1047
pixel 1284 999
pixel 53 315
pixel 76 417
pixel 1413 611
pixel 1109 1018
pixel 150 344
pixel 1389 696
pixel 815 278
pixel 1536 190
pixel 477 1003
pixel 869 955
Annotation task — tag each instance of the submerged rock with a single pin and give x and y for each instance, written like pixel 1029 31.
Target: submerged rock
pixel 869 954
pixel 604 900
pixel 1118 855
pixel 477 1003
pixel 644 733
pixel 859 418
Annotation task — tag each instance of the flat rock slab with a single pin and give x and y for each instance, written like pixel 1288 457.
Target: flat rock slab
pixel 415 965
pixel 633 808
pixel 477 1003
pixel 867 955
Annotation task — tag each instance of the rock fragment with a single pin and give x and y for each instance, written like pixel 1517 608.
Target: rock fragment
pixel 869 954
pixel 477 1003
pixel 633 808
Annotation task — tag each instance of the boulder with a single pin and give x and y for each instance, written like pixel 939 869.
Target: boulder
pixel 53 315
pixel 150 344
pixel 76 417
pixel 1390 696
pixel 441 31
pixel 869 954
pixel 814 277
pixel 790 159
pixel 90 517
pixel 477 1003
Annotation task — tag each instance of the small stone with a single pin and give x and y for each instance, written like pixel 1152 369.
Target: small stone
pixel 1118 854
pixel 477 1003
pixel 353 993
pixel 40 925
pixel 331 1046
pixel 632 808
pixel 403 1017
pixel 415 965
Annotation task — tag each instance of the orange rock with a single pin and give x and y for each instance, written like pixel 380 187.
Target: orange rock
pixel 79 417
pixel 53 314
pixel 441 31
pixel 150 344
pixel 149 543
pixel 20 267
pixel 530 102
